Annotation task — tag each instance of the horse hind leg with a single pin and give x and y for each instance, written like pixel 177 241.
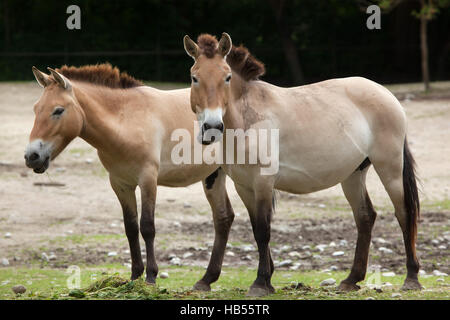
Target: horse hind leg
pixel 398 178
pixel 354 188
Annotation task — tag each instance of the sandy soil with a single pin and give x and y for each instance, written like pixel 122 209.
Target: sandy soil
pixel 81 222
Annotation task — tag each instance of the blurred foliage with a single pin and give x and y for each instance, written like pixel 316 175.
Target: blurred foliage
pixel 145 37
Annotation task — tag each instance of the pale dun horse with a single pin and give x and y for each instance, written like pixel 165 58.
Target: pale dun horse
pixel 329 133
pixel 130 125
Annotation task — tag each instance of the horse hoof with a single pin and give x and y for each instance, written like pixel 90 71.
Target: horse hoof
pixel 411 284
pixel 202 286
pixel 259 292
pixel 150 281
pixel 136 273
pixel 347 287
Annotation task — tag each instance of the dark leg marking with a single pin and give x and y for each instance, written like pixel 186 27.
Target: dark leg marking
pixel 364 164
pixel 209 181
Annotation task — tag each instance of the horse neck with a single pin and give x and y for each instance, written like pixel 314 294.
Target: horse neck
pixel 100 109
pixel 234 117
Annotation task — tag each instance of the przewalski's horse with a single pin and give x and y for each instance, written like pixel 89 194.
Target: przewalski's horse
pixel 130 125
pixel 329 133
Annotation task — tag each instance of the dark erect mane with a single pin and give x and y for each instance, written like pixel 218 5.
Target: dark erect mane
pixel 239 58
pixel 102 74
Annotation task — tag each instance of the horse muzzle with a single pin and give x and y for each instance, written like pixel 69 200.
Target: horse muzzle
pixel 37 156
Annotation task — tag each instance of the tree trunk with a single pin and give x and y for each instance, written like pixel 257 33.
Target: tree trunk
pixel 424 51
pixel 290 51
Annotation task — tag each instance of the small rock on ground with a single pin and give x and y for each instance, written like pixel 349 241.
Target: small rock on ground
pixel 19 289
pixel 164 275
pixel 5 262
pixel 328 282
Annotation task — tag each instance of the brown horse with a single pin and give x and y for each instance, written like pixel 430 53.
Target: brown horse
pixel 329 133
pixel 130 125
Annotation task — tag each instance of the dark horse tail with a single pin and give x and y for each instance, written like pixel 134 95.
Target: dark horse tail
pixel 411 194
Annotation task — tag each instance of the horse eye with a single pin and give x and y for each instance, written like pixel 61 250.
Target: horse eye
pixel 228 78
pixel 58 111
pixel 194 79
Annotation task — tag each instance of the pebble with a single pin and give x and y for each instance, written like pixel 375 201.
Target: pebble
pixel 5 262
pixel 321 247
pixel 396 295
pixel 380 240
pixel 388 274
pixel 370 298
pixel 176 224
pixel 328 282
pixel 442 247
pixel 338 253
pixel 128 265
pixel 306 247
pixel 172 255
pixel 8 235
pixel 333 268
pixel 385 250
pixel 175 261
pixel 440 280
pixel 387 284
pixel 247 257
pixel 343 243
pixel 19 289
pixel 187 255
pixel 295 266
pixel 52 256
pixel 294 254
pixel 112 254
pixel 45 257
pixel 89 160
pixel 164 275
pixel 435 241
pixel 306 255
pixel 247 248
pixel 332 244
pixel 317 256
pixel 230 253
pixel 321 205
pixel 439 273
pixel 422 272
pixel 285 263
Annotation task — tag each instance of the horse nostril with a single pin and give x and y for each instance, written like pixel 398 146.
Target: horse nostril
pixel 220 127
pixel 206 127
pixel 34 156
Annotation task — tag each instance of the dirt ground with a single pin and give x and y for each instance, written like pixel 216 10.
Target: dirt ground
pixel 81 222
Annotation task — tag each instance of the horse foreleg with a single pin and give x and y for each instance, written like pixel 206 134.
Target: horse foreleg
pixel 127 199
pixel 355 191
pixel 223 215
pixel 148 197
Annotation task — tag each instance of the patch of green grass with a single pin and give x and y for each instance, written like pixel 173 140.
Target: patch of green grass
pixel 111 282
pixel 82 239
pixel 443 205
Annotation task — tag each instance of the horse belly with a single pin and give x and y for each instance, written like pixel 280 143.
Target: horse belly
pixel 183 175
pixel 313 163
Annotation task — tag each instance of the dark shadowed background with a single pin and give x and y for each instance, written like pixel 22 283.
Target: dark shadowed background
pixel 300 41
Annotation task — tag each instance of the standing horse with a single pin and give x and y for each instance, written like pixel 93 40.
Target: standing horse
pixel 329 133
pixel 130 125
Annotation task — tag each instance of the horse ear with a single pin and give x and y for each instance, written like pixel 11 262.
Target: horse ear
pixel 190 47
pixel 41 78
pixel 225 44
pixel 60 79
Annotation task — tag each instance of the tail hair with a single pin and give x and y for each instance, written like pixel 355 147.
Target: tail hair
pixel 411 193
